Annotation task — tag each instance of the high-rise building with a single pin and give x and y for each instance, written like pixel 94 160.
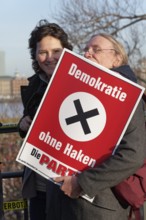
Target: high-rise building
pixel 2 63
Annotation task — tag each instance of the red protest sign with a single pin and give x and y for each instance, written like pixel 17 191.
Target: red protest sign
pixel 81 119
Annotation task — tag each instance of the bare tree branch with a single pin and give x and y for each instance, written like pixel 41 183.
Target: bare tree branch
pixel 84 18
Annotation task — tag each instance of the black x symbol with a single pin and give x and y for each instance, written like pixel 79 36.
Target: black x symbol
pixel 82 116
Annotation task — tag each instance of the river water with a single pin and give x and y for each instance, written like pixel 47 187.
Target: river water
pixel 11 109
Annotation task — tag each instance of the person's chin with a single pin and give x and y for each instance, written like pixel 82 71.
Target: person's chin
pixel 49 75
pixel 49 72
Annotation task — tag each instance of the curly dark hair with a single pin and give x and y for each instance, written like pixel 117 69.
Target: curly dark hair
pixel 43 29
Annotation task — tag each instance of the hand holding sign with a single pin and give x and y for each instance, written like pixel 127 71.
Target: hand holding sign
pixel 69 186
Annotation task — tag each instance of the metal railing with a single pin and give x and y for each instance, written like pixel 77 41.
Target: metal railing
pixel 16 204
pixel 8 128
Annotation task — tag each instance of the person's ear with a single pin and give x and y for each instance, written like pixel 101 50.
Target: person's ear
pixel 118 60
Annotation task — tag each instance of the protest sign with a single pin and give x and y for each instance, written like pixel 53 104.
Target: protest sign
pixel 81 118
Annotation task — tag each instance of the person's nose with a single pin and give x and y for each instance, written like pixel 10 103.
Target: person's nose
pixel 49 57
pixel 88 53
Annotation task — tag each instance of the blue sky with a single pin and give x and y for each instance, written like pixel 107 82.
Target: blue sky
pixel 17 19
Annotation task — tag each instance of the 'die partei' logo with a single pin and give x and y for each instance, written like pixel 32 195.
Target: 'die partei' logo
pixel 82 116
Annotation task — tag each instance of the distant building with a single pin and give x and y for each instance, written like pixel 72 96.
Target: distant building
pixel 16 83
pixel 5 86
pixel 2 63
pixel 10 87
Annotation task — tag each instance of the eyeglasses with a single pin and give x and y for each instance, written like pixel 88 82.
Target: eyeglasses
pixel 94 50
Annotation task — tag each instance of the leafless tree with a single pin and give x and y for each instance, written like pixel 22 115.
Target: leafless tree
pixel 125 20
pixel 140 70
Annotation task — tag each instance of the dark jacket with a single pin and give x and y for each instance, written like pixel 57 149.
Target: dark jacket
pixel 126 71
pixel 31 96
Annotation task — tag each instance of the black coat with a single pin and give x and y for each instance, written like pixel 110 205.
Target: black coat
pixel 126 71
pixel 31 97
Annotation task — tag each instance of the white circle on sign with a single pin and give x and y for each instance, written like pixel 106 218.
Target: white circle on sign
pixel 82 116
